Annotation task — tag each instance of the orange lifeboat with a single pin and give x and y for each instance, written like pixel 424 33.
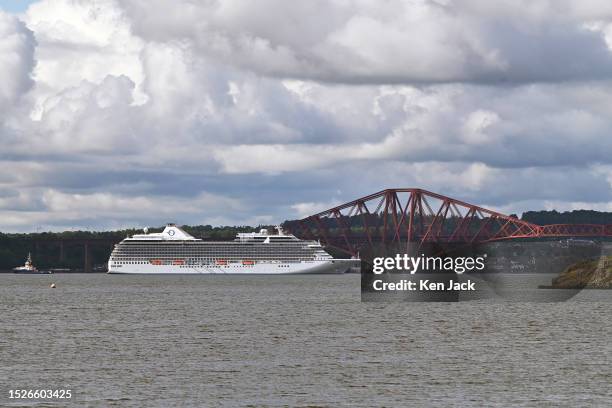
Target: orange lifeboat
pixel 248 262
pixel 221 262
pixel 178 262
pixel 155 261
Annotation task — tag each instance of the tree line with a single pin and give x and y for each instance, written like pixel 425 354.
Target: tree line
pixel 44 246
pixel 14 248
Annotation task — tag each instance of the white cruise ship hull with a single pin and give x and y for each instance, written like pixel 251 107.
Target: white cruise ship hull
pixel 174 251
pixel 335 266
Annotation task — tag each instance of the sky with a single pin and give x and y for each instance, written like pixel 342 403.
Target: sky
pixel 15 6
pixel 133 113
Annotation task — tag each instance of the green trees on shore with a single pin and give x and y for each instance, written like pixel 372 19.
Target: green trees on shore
pixel 45 246
pixel 14 248
pixel 568 217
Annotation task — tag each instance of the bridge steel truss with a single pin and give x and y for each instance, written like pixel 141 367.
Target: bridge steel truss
pixel 396 216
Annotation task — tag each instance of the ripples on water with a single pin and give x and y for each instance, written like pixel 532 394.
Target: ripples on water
pixel 166 341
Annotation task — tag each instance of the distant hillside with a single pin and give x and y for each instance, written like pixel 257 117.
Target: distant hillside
pixel 535 217
pixel 14 248
pixel 568 217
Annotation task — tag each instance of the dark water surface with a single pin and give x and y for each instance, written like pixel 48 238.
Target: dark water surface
pixel 170 341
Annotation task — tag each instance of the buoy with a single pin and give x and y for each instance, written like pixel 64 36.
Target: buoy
pixel 52 286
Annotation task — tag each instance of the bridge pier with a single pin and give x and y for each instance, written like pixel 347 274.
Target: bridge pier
pixel 87 260
pixel 63 244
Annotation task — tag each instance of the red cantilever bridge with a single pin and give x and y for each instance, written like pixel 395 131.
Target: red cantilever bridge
pixel 396 216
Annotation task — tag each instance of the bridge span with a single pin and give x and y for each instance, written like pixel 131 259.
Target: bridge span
pixel 413 215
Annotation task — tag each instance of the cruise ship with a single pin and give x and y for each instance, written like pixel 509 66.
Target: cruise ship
pixel 174 251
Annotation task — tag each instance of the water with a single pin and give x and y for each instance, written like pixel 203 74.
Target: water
pixel 164 341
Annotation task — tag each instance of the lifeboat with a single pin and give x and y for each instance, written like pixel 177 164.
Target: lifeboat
pixel 155 261
pixel 248 262
pixel 221 262
pixel 178 262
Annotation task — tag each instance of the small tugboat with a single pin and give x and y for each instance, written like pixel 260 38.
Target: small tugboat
pixel 29 267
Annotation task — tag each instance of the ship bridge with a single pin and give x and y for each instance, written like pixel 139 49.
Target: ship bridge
pixel 170 233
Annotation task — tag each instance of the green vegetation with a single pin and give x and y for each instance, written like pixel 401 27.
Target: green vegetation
pixel 45 247
pixel 356 223
pixel 567 217
pixel 596 274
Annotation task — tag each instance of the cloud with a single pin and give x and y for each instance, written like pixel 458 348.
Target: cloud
pixel 82 41
pixel 476 126
pixel 401 42
pixel 306 209
pixel 117 113
pixel 528 126
pixel 17 45
pixel 59 210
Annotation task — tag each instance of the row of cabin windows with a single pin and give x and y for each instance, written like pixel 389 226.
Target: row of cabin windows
pixel 190 266
pixel 126 261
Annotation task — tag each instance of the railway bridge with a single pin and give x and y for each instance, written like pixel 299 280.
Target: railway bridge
pixel 86 244
pixel 417 217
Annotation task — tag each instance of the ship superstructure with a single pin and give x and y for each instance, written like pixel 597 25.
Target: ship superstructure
pixel 175 251
pixel 29 267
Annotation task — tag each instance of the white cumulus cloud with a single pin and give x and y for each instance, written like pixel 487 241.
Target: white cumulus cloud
pixel 245 112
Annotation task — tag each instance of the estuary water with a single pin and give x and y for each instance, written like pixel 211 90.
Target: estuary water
pixel 191 341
